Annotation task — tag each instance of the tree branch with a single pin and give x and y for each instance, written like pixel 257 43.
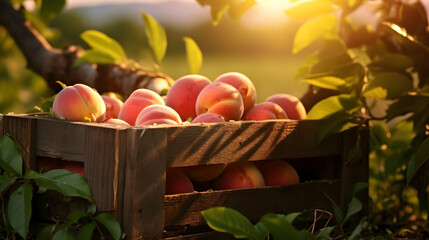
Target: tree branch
pixel 57 65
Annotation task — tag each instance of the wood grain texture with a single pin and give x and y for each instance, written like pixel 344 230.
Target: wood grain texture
pixel 104 151
pixel 246 141
pixel 185 209
pixel 145 183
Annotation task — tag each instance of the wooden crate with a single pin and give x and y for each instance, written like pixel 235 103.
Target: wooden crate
pixel 125 167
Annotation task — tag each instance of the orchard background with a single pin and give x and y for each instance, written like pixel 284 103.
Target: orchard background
pixel 368 59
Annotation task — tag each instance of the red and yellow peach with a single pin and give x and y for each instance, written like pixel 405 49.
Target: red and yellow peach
pixel 136 102
pixel 278 172
pixel 243 84
pixel 79 103
pixel 290 104
pixel 222 99
pixel 177 182
pixel 265 111
pixel 183 94
pixel 157 114
pixel 239 175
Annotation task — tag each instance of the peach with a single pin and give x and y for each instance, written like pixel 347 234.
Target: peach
pixel 222 99
pixel 243 84
pixel 157 114
pixel 183 94
pixel 203 173
pixel 136 102
pixel 115 121
pixel 265 111
pixel 239 175
pixel 74 167
pixel 278 172
pixel 207 118
pixel 79 103
pixel 290 104
pixel 113 106
pixel 177 182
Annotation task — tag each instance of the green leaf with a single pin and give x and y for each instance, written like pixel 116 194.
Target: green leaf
pixel 324 234
pixel 223 219
pixel 10 155
pixel 338 213
pixel 262 231
pixel 194 55
pixel 51 8
pixel 217 9
pixel 92 209
pixel 388 85
pixel 4 182
pixel 94 56
pixel 354 207
pixel 328 82
pixel 313 30
pixel 45 233
pixel 86 231
pixel 238 8
pixel 422 155
pixel 335 123
pixel 19 209
pixel 359 228
pixel 334 104
pixel 104 44
pixel 394 62
pixel 281 228
pixel 111 225
pixel 63 181
pixel 75 216
pixel 63 234
pixel 156 36
pixel 310 9
pixel 359 186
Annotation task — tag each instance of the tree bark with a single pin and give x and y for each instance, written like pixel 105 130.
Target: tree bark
pixel 57 64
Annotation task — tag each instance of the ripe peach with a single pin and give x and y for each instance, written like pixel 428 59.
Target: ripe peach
pixel 157 114
pixel 290 104
pixel 239 175
pixel 207 118
pixel 113 106
pixel 278 172
pixel 177 182
pixel 115 121
pixel 265 111
pixel 183 94
pixel 222 99
pixel 74 167
pixel 203 173
pixel 79 103
pixel 136 102
pixel 243 84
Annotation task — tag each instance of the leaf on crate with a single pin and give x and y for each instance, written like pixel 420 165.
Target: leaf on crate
pixel 19 209
pixel 10 155
pixel 111 225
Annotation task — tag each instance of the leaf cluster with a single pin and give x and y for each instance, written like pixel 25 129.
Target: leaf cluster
pixel 18 188
pixel 281 226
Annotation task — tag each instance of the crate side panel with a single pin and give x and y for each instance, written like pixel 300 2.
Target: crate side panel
pixel 247 141
pixel 101 164
pixel 143 212
pixel 24 131
pixel 60 139
pixel 185 209
pixel 1 124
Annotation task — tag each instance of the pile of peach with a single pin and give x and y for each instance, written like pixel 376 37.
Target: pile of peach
pixel 195 99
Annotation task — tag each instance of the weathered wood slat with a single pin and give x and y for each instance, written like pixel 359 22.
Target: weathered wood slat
pixel 246 141
pixel 185 209
pixel 145 183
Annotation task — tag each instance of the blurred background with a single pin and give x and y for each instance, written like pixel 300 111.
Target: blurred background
pixel 258 45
